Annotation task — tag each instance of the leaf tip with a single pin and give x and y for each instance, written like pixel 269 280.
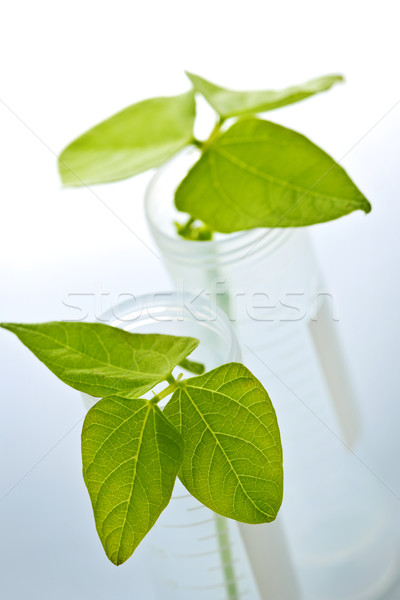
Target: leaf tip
pixel 340 78
pixel 117 555
pixel 66 173
pixel 189 75
pixel 366 207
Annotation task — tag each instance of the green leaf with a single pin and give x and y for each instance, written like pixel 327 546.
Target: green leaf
pixel 131 455
pixel 232 458
pixel 99 359
pixel 229 103
pixel 138 138
pixel 260 174
pixel 192 366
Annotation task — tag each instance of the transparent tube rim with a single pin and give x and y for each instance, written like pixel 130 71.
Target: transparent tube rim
pixel 251 241
pixel 174 304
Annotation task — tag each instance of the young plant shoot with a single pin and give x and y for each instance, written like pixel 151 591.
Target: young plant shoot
pixel 250 172
pixel 218 431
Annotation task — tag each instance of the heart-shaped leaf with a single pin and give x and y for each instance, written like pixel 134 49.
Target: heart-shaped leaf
pixel 131 455
pixel 101 360
pixel 229 103
pixel 260 174
pixel 138 138
pixel 232 459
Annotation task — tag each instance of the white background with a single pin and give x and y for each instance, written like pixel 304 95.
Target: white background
pixel 64 67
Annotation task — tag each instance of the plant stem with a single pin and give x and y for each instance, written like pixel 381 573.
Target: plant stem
pixel 203 232
pixel 221 523
pixel 174 383
pixel 213 134
pixel 186 228
pixel 226 557
pixel 197 143
pixel 203 144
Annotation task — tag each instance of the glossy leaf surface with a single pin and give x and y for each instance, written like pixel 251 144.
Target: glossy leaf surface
pixel 232 459
pixel 131 455
pixel 138 138
pixel 230 103
pixel 260 174
pixel 102 360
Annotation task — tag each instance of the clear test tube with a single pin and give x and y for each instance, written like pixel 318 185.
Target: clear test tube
pixel 335 511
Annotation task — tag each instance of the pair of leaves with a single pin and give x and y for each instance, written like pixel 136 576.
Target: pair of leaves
pixel 219 430
pixel 148 133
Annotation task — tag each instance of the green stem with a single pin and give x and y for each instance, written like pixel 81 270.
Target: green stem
pixel 226 557
pixel 213 134
pixel 186 228
pixel 220 522
pixel 197 143
pixel 174 383
pixel 202 232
